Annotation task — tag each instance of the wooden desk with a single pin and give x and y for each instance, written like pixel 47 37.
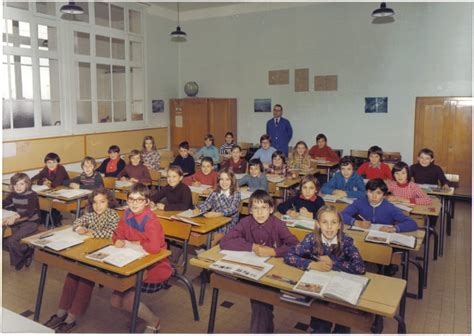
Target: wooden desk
pixel 64 204
pixel 323 166
pixel 375 300
pixel 73 260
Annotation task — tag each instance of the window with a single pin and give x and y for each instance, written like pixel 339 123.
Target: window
pixel 67 74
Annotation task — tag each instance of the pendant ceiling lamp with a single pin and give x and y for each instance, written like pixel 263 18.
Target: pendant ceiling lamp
pixel 178 35
pixel 71 8
pixel 383 11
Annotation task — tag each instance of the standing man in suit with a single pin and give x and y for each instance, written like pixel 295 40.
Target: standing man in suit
pixel 279 129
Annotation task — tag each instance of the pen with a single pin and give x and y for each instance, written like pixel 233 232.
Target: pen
pixel 280 278
pixel 360 216
pixel 46 235
pixel 98 249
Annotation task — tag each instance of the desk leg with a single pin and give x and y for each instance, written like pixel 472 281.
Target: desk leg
pixel 285 194
pixel 212 314
pixel 202 291
pixel 442 224
pixel 402 328
pixel 426 256
pixel 327 179
pixel 449 215
pixel 39 296
pixel 136 301
pixel 78 208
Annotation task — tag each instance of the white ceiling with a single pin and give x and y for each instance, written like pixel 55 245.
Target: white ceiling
pixel 189 6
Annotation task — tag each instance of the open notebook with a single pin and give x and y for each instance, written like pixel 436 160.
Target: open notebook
pixel 118 256
pixel 183 217
pixel 199 189
pixel 299 222
pixel 242 264
pixel 69 193
pixel 335 285
pixel 391 238
pixel 59 240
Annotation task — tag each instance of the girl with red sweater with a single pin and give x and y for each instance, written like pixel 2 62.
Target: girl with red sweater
pixel 402 189
pixel 139 225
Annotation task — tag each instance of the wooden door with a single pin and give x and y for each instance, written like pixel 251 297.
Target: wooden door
pixel 188 121
pixel 222 118
pixel 444 124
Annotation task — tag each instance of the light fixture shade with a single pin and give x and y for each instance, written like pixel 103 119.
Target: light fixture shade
pixel 71 8
pixel 383 11
pixel 178 34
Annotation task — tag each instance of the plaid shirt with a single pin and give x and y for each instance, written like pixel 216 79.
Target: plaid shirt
pixel 227 205
pixel 151 159
pixel 282 170
pixel 349 261
pixel 300 162
pixel 103 225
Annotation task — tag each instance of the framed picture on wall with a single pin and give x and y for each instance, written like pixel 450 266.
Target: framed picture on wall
pixel 158 105
pixel 376 104
pixel 262 105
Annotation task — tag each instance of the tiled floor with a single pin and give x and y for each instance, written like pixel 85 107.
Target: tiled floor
pixel 445 308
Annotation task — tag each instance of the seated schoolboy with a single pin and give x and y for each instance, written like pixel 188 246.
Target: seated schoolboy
pixel 236 163
pixel 184 160
pixel 89 178
pixel 113 165
pixel 346 182
pixel 403 190
pixel 264 153
pixel 266 235
pixel 135 171
pixel 307 203
pixel 207 175
pixel 256 179
pixel 176 195
pixel 375 168
pixel 321 151
pixel 209 150
pixel 53 174
pixel 426 171
pixel 278 167
pixel 375 209
pixel 326 249
pixel 227 146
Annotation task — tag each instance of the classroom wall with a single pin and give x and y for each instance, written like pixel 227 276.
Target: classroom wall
pixel 425 52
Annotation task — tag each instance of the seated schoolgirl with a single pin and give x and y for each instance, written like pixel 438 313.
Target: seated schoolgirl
pixel 99 222
pixel 114 164
pixel 135 171
pixel 403 189
pixel 256 179
pixel 149 153
pixel 346 182
pixel 89 178
pixel 300 160
pixel 307 203
pixel 278 167
pixel 236 163
pixel 326 249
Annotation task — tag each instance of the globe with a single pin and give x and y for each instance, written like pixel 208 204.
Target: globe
pixel 191 89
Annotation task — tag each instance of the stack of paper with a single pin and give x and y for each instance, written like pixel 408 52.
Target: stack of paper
pixel 70 193
pixel 123 184
pixel 275 179
pixel 402 206
pixel 199 189
pixel 118 256
pixel 39 188
pixel 373 227
pixel 299 222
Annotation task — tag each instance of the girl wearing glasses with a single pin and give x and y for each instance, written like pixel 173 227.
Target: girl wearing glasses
pixel 140 226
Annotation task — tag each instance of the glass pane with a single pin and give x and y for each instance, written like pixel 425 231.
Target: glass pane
pixel 47 38
pixel 82 44
pixel 137 83
pixel 118 18
pixel 78 17
pixel 23 115
pixel 8 31
pixel 135 51
pixel 102 46
pixel 49 79
pixel 120 112
pixel 18 34
pixel 5 82
pixel 105 111
pixel 102 14
pixel 135 21
pixel 103 82
pixel 50 113
pixel 84 84
pixel 137 110
pixel 44 7
pixel 118 80
pixel 118 48
pixel 21 77
pixel 84 112
pixel 6 114
pixel 19 5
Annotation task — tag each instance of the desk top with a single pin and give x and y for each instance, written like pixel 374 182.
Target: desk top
pixel 375 299
pixel 207 224
pixel 324 163
pixel 50 194
pixel 79 253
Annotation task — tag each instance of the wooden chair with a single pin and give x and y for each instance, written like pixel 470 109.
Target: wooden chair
pixel 155 177
pixel 195 198
pixel 359 153
pixel 392 156
pixel 73 174
pixel 109 182
pixel 245 145
pixel 181 232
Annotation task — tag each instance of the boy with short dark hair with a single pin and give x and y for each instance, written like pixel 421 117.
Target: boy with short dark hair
pixel 426 172
pixel 184 160
pixel 346 182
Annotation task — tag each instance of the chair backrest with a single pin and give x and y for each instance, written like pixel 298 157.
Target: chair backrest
pixel 155 176
pixel 392 156
pixel 73 174
pixel 109 182
pixel 166 157
pixel 176 229
pixel 195 198
pixel 245 145
pixel 359 153
pixel 45 204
